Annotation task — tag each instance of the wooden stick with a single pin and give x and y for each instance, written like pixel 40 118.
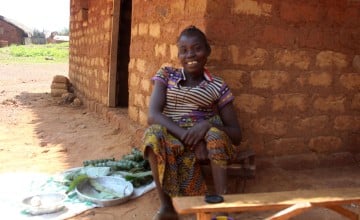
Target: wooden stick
pixel 203 216
pixel 345 212
pixel 291 211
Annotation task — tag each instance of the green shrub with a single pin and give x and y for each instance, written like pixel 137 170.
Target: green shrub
pixel 36 53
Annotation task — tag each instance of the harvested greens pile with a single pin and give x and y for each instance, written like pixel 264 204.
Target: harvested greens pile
pixel 133 167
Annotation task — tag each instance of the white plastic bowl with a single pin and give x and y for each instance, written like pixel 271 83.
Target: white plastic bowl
pixel 86 192
pixel 44 203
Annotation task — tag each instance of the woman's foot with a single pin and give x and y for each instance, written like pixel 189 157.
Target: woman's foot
pixel 166 213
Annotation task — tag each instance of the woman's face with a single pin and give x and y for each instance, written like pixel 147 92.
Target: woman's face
pixel 192 53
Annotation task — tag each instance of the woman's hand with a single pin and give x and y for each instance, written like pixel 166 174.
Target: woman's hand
pixel 194 135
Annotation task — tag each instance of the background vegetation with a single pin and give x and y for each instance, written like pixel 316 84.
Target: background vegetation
pixel 35 53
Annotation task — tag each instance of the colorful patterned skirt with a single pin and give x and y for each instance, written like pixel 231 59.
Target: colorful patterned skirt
pixel 179 172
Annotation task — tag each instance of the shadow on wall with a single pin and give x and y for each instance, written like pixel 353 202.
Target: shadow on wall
pixel 290 67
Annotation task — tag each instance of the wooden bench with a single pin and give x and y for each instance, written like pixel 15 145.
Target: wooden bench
pixel 290 203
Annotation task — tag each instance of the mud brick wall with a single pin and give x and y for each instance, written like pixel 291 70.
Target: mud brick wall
pixel 10 33
pixel 89 60
pixel 155 26
pixel 292 65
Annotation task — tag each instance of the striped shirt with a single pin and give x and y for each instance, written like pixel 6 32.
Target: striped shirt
pixel 189 105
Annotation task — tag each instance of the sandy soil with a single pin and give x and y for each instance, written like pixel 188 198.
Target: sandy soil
pixel 39 135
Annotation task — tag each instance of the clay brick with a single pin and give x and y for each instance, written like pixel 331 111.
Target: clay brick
pixel 266 79
pixel 216 53
pixel 283 102
pixel 132 63
pixel 299 59
pixel 143 115
pixel 177 8
pixel 160 50
pixel 107 37
pixel 145 85
pixel 173 52
pixel 256 141
pixel 353 142
pixel 330 59
pixel 320 79
pixel 60 79
pixel 270 126
pixel 143 28
pixel 251 7
pixel 298 162
pixel 350 81
pixel 233 78
pixel 336 15
pixel 301 80
pixel 133 112
pixel 330 103
pixel 299 12
pixel 139 100
pixel 285 146
pixel 350 123
pixel 249 103
pixel 217 8
pixel 107 23
pixel 355 102
pixel 356 63
pixel 284 36
pixel 352 14
pixel 141 65
pixel 264 163
pixel 103 12
pixel 336 159
pixel 315 124
pixel 58 92
pixel 196 8
pixel 325 144
pixel 134 30
pixel 147 100
pixel 250 56
pixel 234 51
pixel 154 30
pixel 134 80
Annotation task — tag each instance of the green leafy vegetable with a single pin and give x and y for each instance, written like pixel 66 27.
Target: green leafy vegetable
pixel 79 179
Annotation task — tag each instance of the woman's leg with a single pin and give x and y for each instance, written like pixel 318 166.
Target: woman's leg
pixel 167 211
pixel 219 151
pixel 219 177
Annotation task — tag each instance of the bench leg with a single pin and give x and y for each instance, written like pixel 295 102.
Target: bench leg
pixel 290 211
pixel 301 207
pixel 344 212
pixel 203 216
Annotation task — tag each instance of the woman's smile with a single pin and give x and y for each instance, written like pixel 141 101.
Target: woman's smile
pixel 192 62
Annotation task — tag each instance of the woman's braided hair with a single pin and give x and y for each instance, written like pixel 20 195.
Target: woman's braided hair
pixel 194 31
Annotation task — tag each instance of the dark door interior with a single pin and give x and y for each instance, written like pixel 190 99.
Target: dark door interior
pixel 122 72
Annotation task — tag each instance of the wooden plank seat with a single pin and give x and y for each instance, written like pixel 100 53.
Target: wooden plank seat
pixel 292 203
pixel 243 168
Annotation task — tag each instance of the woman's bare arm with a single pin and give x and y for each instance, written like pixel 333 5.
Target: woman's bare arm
pixel 231 123
pixel 157 103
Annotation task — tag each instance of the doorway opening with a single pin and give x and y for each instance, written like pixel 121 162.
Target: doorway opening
pixel 123 54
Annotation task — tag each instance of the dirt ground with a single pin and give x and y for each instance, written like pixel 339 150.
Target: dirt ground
pixel 39 135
